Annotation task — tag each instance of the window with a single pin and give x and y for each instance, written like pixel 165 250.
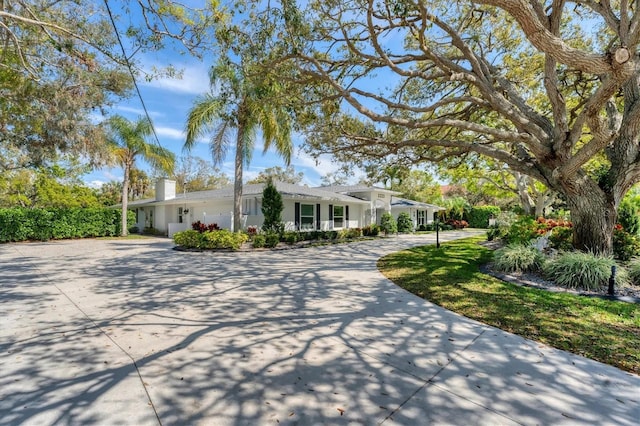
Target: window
pixel 307 218
pixel 180 215
pixel 421 218
pixel 338 216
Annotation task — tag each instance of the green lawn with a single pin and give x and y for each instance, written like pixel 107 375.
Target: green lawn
pixel 602 330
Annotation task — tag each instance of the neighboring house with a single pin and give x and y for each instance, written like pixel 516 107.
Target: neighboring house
pixel 420 213
pixel 305 208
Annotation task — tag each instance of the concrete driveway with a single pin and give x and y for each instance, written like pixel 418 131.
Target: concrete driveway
pixel 132 332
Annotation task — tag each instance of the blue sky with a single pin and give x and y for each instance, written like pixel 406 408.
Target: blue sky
pixel 168 101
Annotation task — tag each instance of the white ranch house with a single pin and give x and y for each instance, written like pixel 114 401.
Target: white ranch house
pixel 305 208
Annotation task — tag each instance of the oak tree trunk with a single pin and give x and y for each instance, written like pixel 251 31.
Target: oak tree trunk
pixel 594 219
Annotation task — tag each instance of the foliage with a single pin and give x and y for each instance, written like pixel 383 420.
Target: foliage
pixel 259 240
pixel 197 174
pixel 518 258
pixel 371 231
pixel 450 276
pixel 455 209
pixel 272 207
pixel 271 239
pixel 405 224
pixel 203 227
pixel 388 224
pixel 50 187
pixel 349 233
pixel 19 224
pixel 252 231
pixel 278 174
pixel 625 245
pixel 634 270
pixel 629 216
pixel 561 238
pixel 522 231
pixel 580 270
pixel 220 239
pixel 459 91
pixel 478 217
pixel 290 237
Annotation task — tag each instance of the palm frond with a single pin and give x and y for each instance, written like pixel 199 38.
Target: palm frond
pixel 201 119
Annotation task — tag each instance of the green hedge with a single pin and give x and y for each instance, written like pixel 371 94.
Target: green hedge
pixel 478 217
pixel 20 224
pixel 220 239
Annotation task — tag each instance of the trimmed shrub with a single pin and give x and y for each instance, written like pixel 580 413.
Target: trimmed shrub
pixel 388 224
pixel 404 223
pixel 478 217
pixel 189 239
pixel 625 245
pixel 20 224
pixel 629 217
pixel 518 258
pixel 271 239
pixel 371 231
pixel 221 239
pixel 579 270
pixel 272 207
pixel 457 224
pixel 259 240
pixel 634 270
pixel 290 237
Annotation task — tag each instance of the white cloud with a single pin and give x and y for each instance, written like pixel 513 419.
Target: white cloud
pixel 138 111
pixel 194 81
pixel 170 132
pixel 95 184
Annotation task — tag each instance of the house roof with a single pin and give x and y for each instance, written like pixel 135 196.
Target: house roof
pixel 346 189
pixel 403 202
pixel 287 190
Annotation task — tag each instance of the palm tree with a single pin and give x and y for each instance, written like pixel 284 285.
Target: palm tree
pixel 246 103
pixel 127 141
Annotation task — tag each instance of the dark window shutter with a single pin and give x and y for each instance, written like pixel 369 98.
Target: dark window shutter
pixel 330 211
pixel 318 217
pixel 297 216
pixel 346 216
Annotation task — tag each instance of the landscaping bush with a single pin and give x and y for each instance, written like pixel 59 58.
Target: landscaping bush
pixel 625 245
pixel 220 239
pixel 522 231
pixel 189 239
pixel 271 239
pixel 259 240
pixel 290 237
pixel 634 270
pixel 579 270
pixel 371 231
pixel 518 258
pixel 354 233
pixel 404 222
pixel 629 217
pixel 20 224
pixel 252 231
pixel 422 228
pixel 561 238
pixel 203 227
pixel 478 217
pixel 496 232
pixel 388 224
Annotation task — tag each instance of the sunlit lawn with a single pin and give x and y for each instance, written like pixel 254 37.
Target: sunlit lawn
pixel 603 330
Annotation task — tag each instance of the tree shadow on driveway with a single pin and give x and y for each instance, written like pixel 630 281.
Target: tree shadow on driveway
pixel 309 336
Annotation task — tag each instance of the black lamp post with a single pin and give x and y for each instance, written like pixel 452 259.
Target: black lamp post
pixel 436 221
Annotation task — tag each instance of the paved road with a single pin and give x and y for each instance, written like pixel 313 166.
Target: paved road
pixel 132 332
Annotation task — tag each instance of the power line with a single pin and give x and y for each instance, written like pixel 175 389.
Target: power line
pixel 133 76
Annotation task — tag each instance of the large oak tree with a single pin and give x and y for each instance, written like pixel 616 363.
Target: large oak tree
pixel 541 86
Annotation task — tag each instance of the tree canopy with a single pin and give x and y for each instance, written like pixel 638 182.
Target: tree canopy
pixel 543 87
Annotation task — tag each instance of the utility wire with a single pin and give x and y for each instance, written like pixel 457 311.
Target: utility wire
pixel 133 76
